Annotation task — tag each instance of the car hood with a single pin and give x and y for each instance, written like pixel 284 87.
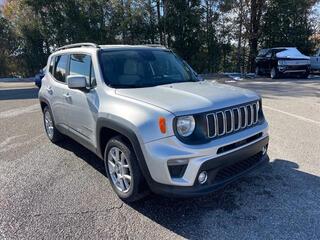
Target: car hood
pixel 292 53
pixel 190 97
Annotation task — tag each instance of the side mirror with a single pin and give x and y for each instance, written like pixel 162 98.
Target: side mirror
pixel 77 82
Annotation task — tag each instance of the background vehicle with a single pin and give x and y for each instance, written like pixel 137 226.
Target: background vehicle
pixel 315 61
pixel 284 60
pixel 39 76
pixel 154 123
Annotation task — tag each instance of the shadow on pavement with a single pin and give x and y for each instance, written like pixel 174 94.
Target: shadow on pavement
pixel 83 153
pixel 262 203
pixel 270 202
pixel 18 93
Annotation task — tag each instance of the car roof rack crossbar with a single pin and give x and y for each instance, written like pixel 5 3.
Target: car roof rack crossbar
pixel 86 44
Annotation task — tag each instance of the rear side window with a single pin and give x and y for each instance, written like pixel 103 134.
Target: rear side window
pixel 60 68
pixel 81 64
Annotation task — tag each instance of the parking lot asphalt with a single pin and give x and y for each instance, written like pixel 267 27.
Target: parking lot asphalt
pixel 60 191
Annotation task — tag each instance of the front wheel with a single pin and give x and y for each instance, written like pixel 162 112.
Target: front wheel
pixel 305 75
pixel 123 170
pixel 52 132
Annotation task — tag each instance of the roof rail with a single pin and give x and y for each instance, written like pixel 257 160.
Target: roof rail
pixel 87 44
pixel 154 45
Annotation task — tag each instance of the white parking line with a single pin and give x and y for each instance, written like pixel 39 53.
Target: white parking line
pixel 292 115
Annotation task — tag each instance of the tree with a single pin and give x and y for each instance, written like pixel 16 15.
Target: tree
pixel 286 23
pixel 183 27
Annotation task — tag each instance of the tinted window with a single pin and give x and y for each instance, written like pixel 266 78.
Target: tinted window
pixel 60 68
pixel 143 67
pixel 51 65
pixel 262 52
pixel 80 64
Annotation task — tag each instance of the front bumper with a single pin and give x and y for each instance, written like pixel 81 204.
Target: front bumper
pixel 293 68
pixel 157 155
pixel 221 171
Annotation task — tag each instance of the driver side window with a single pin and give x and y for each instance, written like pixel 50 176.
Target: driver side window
pixel 81 64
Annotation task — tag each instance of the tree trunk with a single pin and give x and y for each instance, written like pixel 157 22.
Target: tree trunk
pixel 255 18
pixel 240 36
pixel 159 23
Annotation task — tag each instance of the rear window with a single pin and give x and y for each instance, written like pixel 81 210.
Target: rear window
pixel 60 68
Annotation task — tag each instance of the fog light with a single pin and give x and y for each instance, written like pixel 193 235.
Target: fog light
pixel 203 176
pixel 264 150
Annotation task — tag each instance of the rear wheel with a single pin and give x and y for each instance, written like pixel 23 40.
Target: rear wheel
pixel 123 170
pixel 52 132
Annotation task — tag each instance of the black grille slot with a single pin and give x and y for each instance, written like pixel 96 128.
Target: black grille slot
pixel 238 144
pixel 236 119
pixel 255 113
pixel 228 121
pixel 211 125
pixel 220 123
pixel 243 117
pixel 249 115
pixel 237 168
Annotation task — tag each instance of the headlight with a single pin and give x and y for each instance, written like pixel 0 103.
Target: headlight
pixel 185 125
pixel 281 62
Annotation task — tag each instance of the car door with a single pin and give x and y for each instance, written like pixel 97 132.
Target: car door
pixel 57 88
pixel 268 62
pixel 82 104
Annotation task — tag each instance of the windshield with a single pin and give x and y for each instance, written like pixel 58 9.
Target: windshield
pixel 143 68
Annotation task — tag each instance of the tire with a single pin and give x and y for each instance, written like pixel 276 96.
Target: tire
pixel 274 74
pixel 123 170
pixel 305 75
pixel 52 132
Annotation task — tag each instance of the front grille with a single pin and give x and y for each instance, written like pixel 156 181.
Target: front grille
pixel 232 119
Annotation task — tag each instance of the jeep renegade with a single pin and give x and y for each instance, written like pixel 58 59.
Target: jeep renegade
pixel 155 123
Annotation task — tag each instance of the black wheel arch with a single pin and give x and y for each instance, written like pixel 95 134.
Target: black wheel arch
pixel 115 128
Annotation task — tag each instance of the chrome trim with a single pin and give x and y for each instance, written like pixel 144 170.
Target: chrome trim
pixel 231 121
pixel 245 115
pixel 223 120
pixel 239 119
pixel 249 123
pixel 231 111
pixel 257 112
pixel 215 125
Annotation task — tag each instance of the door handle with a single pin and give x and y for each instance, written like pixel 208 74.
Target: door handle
pixel 49 90
pixel 67 95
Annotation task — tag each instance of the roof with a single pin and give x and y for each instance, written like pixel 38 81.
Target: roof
pixel 96 46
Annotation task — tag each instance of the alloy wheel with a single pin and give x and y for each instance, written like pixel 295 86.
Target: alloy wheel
pixel 119 169
pixel 48 124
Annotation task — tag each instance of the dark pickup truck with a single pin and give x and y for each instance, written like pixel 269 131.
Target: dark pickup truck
pixel 277 62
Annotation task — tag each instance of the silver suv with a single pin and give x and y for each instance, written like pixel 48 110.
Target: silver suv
pixel 156 124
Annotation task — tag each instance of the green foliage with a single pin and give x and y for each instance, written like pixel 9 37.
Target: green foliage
pixel 286 24
pixel 212 35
